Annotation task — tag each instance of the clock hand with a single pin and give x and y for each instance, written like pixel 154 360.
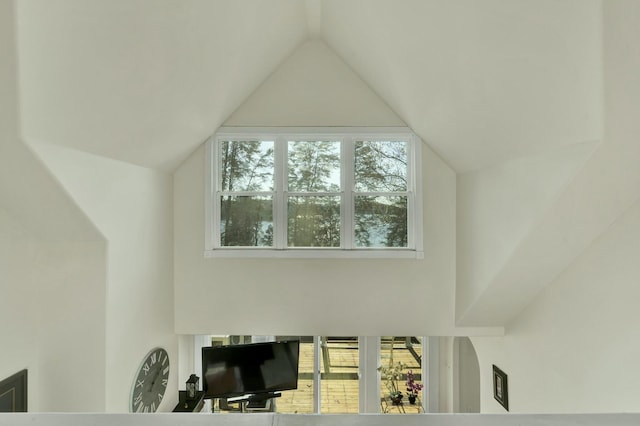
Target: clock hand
pixel 153 382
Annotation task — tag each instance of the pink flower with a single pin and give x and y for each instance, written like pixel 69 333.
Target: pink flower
pixel 413 387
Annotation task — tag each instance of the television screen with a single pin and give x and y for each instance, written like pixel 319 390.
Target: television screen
pixel 253 368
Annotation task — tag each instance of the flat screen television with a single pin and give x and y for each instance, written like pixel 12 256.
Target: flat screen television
pixel 250 369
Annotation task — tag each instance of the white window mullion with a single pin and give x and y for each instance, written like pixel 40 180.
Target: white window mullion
pixel 414 227
pixel 280 198
pixel 317 388
pixel 410 193
pixel 212 202
pixel 346 199
pixel 313 194
pixel 369 374
pixel 245 194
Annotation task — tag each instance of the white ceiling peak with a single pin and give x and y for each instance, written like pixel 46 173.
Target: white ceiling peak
pixel 314 18
pixel 146 82
pixel 314 87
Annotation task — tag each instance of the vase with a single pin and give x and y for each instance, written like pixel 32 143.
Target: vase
pixel 396 399
pixel 412 399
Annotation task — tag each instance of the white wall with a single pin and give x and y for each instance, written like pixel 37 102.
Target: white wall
pixel 51 268
pixel 499 205
pixel 70 290
pixel 52 313
pixel 132 207
pixel 315 296
pixel 85 312
pixel 27 191
pixel 605 186
pixel 313 87
pixel 459 381
pixel 575 347
pixel 18 304
pixel 467 377
pixel 445 375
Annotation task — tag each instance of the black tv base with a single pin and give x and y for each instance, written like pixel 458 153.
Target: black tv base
pixel 256 402
pixel 260 402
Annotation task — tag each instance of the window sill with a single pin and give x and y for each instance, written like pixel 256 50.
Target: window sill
pixel 314 254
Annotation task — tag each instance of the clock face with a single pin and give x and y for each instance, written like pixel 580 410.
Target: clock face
pixel 151 382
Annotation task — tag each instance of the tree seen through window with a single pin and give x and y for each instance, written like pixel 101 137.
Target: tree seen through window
pixel 295 193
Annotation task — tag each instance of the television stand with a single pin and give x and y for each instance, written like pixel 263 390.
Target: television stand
pixel 258 404
pixel 262 401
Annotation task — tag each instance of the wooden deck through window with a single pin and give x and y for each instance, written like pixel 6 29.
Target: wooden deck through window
pixel 339 384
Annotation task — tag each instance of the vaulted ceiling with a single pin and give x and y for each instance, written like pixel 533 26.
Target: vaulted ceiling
pixel 509 93
pixel 147 81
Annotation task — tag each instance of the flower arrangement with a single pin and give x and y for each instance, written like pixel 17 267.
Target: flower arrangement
pixel 391 375
pixel 412 387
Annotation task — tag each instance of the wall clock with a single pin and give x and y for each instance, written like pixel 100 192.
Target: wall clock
pixel 150 383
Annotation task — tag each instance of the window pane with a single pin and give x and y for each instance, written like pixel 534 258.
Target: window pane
pixel 314 221
pixel 299 401
pixel 314 166
pixel 246 165
pixel 339 366
pixel 381 221
pixel 401 370
pixel 380 166
pixel 246 221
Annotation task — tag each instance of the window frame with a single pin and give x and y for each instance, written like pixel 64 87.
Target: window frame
pixel 348 136
pixel 369 381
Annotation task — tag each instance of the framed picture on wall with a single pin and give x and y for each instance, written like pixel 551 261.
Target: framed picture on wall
pixel 500 388
pixel 13 393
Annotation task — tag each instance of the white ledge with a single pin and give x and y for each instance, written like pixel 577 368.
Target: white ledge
pixel 314 254
pixel 271 419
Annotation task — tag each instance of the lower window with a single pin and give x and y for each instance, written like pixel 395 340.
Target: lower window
pixel 331 380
